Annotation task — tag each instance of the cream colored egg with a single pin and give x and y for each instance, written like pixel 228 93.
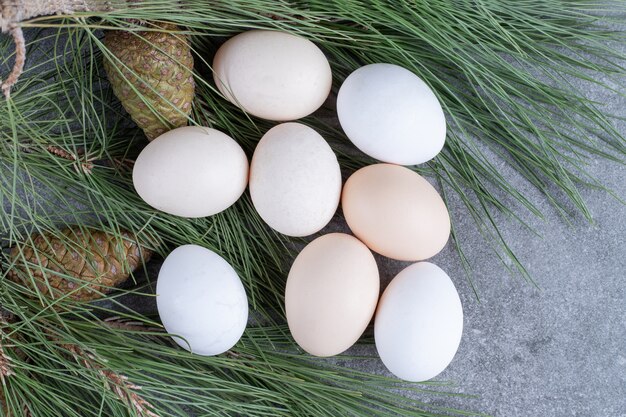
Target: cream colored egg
pixel 331 294
pixel 395 212
pixel 191 172
pixel 273 75
pixel 419 322
pixel 295 180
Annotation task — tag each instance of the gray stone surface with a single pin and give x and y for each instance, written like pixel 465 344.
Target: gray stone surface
pixel 556 350
pixel 559 350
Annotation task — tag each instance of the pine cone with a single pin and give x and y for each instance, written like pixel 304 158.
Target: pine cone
pixel 159 67
pixel 91 256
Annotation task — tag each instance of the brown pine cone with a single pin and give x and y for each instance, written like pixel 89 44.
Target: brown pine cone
pixel 61 266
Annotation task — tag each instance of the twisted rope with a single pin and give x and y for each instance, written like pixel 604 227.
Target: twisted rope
pixel 13 12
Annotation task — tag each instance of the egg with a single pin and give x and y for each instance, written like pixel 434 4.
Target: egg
pixel 395 212
pixel 331 294
pixel 295 180
pixel 191 172
pixel 273 75
pixel 419 323
pixel 390 114
pixel 201 300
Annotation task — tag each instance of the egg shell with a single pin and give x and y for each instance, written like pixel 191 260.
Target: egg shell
pixel 390 114
pixel 191 172
pixel 273 75
pixel 395 212
pixel 331 294
pixel 201 299
pixel 295 180
pixel 419 323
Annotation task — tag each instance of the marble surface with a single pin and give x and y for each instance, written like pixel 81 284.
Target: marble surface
pixel 555 350
pixel 559 349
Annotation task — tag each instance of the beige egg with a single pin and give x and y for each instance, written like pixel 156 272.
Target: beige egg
pixel 395 212
pixel 295 180
pixel 273 75
pixel 191 172
pixel 331 294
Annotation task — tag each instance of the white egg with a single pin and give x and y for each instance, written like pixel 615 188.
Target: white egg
pixel 390 114
pixel 273 75
pixel 295 180
pixel 419 323
pixel 191 172
pixel 201 299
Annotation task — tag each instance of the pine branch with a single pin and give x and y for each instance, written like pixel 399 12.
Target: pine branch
pixel 118 383
pixel 86 166
pixel 6 366
pixel 120 323
pixel 6 369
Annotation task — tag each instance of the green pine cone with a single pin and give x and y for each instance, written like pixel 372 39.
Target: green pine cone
pixel 159 66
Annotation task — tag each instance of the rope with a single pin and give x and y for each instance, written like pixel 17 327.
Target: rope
pixel 13 12
pixel 20 58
